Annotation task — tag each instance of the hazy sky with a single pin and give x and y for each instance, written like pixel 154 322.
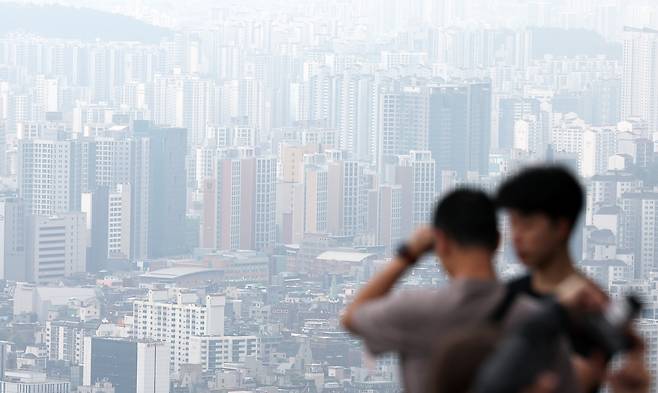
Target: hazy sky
pixel 493 13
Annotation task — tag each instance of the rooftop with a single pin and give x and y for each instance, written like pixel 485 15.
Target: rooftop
pixel 62 295
pixel 603 263
pixel 608 210
pixel 172 273
pixel 346 256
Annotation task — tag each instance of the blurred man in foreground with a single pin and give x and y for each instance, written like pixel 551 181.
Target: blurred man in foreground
pixel 632 377
pixel 486 360
pixel 544 204
pixel 413 323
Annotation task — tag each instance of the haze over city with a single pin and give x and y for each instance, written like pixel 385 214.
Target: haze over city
pixel 191 192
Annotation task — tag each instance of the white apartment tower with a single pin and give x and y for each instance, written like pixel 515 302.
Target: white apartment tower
pixel 152 367
pixel 197 109
pixel 416 174
pixel 47 94
pixel 185 102
pixel 354 114
pixel 389 215
pixel 639 229
pixel 47 178
pixel 639 95
pixel 175 321
pixel 424 169
pixel 118 231
pixel 112 161
pixel 403 122
pixel 65 340
pixel 265 203
pixel 599 145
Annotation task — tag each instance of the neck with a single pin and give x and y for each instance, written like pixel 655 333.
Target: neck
pixel 553 271
pixel 473 264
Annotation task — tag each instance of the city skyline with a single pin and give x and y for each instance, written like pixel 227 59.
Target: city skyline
pixel 201 188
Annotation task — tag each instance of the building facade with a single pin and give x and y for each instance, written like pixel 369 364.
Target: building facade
pixel 175 321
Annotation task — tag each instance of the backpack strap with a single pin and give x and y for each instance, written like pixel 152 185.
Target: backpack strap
pixel 501 309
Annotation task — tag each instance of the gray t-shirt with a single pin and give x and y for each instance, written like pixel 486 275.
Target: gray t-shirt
pixel 413 323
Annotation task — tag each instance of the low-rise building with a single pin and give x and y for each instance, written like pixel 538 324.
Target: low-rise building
pixel 213 351
pixel 19 381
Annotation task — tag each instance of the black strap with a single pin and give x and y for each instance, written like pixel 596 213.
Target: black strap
pixel 501 309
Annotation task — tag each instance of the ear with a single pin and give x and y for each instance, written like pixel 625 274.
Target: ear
pixel 564 228
pixel 442 243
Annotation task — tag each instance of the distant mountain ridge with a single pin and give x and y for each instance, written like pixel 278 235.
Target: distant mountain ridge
pixel 571 43
pixel 56 21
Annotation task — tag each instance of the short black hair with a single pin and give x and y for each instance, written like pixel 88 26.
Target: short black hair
pixel 550 190
pixel 468 216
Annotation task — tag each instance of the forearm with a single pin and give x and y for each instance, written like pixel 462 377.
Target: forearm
pixel 380 285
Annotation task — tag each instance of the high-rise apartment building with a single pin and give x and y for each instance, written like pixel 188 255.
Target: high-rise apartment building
pixel 245 203
pixel 347 207
pixel 389 216
pixel 290 190
pixel 12 238
pixel 639 91
pixel 49 177
pixel 95 205
pixel 354 111
pixel 175 321
pixel 416 174
pixel 567 137
pixel 187 102
pixel 109 161
pixel 599 144
pixel 19 109
pixel 316 195
pixel 118 222
pixel 510 110
pixel 317 97
pixel 403 121
pixel 159 181
pixel 639 229
pixel 460 127
pixel 65 340
pixel 47 94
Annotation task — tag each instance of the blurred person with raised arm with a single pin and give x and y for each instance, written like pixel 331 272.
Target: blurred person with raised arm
pixel 413 323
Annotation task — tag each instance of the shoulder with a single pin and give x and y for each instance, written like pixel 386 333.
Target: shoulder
pixel 423 303
pixel 419 298
pixel 410 309
pixel 523 285
pixel 527 304
pixel 523 307
pixel 520 284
